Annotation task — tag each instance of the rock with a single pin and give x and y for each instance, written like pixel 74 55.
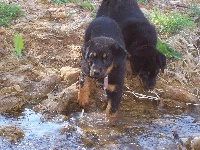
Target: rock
pixel 12 89
pixel 11 133
pixel 17 88
pixel 60 102
pixel 196 81
pixel 2 31
pixel 39 90
pixel 179 94
pixel 9 103
pixel 196 144
pixel 24 68
pixel 69 74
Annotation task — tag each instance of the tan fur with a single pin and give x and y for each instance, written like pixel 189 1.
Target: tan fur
pixel 104 55
pixel 111 87
pixel 128 67
pixel 109 68
pixel 84 93
pixel 108 110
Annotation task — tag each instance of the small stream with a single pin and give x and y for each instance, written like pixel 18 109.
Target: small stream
pixel 141 124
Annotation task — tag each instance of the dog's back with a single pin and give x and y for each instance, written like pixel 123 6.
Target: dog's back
pixel 120 10
pixel 104 26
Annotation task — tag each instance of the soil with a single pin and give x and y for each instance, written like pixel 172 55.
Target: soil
pixel 45 77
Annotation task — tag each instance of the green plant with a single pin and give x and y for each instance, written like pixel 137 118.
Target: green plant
pixel 18 44
pixel 166 50
pixel 87 5
pixel 64 1
pixel 44 1
pixel 142 1
pixel 8 13
pixel 170 23
pixel 73 1
pixel 59 1
pixel 195 10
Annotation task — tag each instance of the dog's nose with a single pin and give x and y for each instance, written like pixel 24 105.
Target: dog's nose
pixel 96 72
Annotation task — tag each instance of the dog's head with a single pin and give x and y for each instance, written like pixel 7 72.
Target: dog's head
pixel 101 55
pixel 147 66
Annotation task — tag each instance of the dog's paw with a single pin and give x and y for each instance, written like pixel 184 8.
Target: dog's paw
pixel 83 97
pixel 83 102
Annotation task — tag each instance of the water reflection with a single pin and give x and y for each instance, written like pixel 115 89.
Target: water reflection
pixel 141 124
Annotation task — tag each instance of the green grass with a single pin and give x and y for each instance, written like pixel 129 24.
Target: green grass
pixel 195 13
pixel 18 44
pixel 84 4
pixel 8 13
pixel 170 23
pixel 59 1
pixel 87 5
pixel 142 1
pixel 64 1
pixel 166 50
pixel 194 10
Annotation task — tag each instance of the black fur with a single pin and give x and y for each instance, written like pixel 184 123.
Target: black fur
pixel 140 38
pixel 103 53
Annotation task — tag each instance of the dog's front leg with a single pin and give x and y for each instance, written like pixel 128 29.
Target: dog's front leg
pixel 84 91
pixel 114 94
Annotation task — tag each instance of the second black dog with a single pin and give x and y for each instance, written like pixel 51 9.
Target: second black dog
pixel 103 59
pixel 140 38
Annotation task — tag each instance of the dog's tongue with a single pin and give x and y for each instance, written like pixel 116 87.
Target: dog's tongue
pixel 105 85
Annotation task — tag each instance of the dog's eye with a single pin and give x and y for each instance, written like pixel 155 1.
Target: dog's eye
pixel 92 55
pixel 105 56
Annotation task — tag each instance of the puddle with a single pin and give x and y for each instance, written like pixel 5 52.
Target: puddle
pixel 140 125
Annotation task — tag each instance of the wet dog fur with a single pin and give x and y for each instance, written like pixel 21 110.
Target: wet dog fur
pixel 140 38
pixel 103 54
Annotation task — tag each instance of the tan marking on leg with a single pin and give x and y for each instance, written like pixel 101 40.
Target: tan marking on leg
pixel 108 111
pixel 111 87
pixel 128 68
pixel 84 93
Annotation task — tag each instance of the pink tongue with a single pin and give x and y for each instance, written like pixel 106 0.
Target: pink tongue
pixel 105 85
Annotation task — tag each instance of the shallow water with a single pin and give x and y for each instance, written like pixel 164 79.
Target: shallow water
pixel 141 124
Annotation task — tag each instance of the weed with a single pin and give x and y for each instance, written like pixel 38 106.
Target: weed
pixel 87 5
pixel 64 1
pixel 59 1
pixel 142 1
pixel 170 23
pixel 73 1
pixel 18 44
pixel 166 50
pixel 195 10
pixel 8 13
pixel 44 1
pixel 195 13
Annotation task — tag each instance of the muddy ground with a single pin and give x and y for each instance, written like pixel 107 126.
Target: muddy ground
pixel 44 78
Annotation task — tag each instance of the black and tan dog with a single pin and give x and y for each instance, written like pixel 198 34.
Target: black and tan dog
pixel 140 38
pixel 103 59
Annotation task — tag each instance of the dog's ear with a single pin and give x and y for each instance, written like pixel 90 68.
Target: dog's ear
pixel 137 64
pixel 119 54
pixel 161 60
pixel 85 49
